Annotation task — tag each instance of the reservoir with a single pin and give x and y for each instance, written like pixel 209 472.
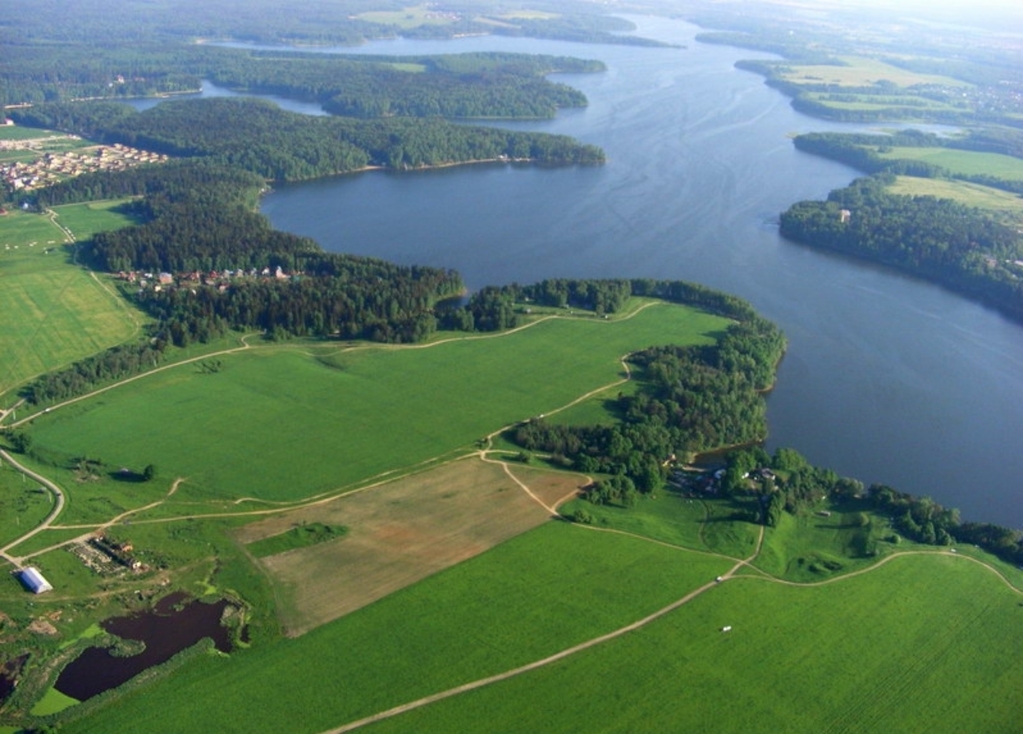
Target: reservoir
pixel 887 378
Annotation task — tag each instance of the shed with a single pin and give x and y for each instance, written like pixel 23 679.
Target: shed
pixel 34 581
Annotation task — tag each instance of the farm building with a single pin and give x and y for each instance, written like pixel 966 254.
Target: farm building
pixel 34 581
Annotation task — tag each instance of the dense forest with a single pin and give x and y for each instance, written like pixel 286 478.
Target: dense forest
pixel 941 240
pixel 479 85
pixel 311 22
pixel 260 137
pixel 51 53
pixel 865 151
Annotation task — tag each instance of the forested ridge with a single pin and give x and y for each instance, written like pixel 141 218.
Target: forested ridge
pixel 481 85
pixel 938 239
pixel 259 137
pixel 311 22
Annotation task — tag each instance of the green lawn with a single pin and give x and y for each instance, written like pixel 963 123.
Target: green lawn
pixel 54 312
pixel 350 414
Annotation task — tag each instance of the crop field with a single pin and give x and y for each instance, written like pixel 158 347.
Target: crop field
pixel 400 533
pixel 54 312
pixel 885 651
pixel 410 17
pixel 964 162
pixel 351 414
pixel 536 594
pixel 861 72
pixel 983 197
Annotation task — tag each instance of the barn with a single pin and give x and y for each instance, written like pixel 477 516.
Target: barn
pixel 33 580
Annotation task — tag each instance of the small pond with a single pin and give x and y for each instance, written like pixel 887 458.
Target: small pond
pixel 165 630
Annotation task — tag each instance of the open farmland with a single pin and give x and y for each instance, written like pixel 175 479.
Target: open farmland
pixel 536 594
pixel 54 312
pixel 858 71
pixel 961 162
pixel 402 532
pixel 351 414
pixel 982 197
pixel 921 644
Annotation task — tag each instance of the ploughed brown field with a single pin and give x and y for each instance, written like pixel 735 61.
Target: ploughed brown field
pixel 404 531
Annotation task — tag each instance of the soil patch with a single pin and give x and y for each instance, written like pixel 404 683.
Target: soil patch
pixel 401 532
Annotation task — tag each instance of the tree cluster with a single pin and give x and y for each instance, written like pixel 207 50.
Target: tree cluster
pixel 925 521
pixel 692 399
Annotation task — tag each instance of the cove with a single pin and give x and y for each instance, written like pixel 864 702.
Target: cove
pixel 887 379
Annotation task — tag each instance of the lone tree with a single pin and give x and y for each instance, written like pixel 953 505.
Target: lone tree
pixel 149 472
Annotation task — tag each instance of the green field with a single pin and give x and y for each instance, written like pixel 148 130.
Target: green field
pixel 54 312
pixel 890 645
pixel 85 220
pixel 904 106
pixel 531 596
pixel 22 504
pixel 302 536
pixel 410 17
pixel 350 413
pixel 924 644
pixel 859 71
pixel 962 162
pixel 982 197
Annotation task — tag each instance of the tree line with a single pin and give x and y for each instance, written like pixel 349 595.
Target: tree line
pixel 937 239
pixel 794 485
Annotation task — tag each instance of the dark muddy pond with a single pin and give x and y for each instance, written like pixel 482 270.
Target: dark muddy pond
pixel 165 631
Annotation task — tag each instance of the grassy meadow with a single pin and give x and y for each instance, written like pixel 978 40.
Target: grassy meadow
pixel 283 424
pixel 859 71
pixel 409 17
pixel 1002 203
pixel 532 596
pixel 962 162
pixel 54 312
pixel 923 644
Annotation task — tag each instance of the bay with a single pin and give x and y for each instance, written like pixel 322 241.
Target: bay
pixel 887 378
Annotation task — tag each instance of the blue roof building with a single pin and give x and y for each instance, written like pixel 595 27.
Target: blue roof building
pixel 33 580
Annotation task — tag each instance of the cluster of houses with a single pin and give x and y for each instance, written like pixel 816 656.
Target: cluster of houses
pixel 699 482
pixel 53 167
pixel 220 279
